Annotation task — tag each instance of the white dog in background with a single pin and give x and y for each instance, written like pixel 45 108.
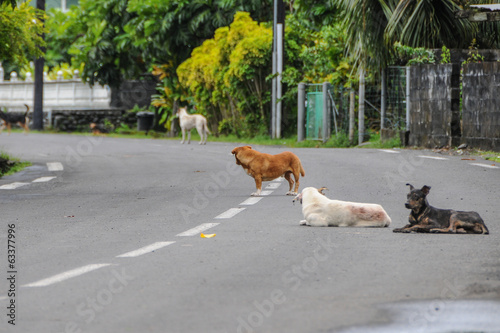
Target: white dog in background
pixel 189 121
pixel 319 211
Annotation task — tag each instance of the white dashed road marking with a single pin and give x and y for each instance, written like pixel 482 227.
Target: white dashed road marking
pixel 197 230
pixel 485 165
pixel 433 157
pixel 55 166
pixel 251 201
pixel 66 275
pixel 273 186
pixel 43 179
pixel 229 213
pixel 264 193
pixel 390 151
pixel 12 186
pixel 144 250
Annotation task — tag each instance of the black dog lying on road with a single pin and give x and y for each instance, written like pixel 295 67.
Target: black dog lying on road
pixel 425 218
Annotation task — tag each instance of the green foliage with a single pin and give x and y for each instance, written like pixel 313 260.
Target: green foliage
pixel 63 30
pixel 376 142
pixel 169 30
pixel 473 55
pixel 316 56
pixel 407 56
pixel 365 22
pixel 10 165
pixel 20 32
pixel 340 140
pixel 445 55
pixel 105 48
pixel 226 75
pixel 429 24
pixel 316 14
pixel 169 93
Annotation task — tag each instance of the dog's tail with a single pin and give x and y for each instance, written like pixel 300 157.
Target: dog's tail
pixel 27 110
pixel 205 126
pixel 302 172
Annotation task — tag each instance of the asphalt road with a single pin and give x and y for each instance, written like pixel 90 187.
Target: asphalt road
pixel 102 247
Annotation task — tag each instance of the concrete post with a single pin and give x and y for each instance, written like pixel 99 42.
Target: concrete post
pixel 326 113
pixel 383 105
pixel 301 105
pixel 351 115
pixel 408 106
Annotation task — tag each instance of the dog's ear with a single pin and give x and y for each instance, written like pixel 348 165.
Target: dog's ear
pixel 320 190
pixel 411 187
pixel 247 147
pixel 425 189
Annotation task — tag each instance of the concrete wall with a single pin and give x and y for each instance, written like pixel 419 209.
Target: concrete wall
pixel 435 116
pixel 481 105
pixel 430 105
pixel 60 94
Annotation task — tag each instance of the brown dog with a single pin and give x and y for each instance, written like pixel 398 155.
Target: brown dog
pixel 266 167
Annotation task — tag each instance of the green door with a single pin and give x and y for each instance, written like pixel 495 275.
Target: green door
pixel 314 124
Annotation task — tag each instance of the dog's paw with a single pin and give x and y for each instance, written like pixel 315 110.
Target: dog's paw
pixel 303 222
pixel 291 193
pixel 255 194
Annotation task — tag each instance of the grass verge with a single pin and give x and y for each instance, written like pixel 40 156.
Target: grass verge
pixel 9 165
pixel 490 156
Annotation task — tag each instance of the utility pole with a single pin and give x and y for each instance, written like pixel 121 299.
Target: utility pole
pixel 278 30
pixel 38 91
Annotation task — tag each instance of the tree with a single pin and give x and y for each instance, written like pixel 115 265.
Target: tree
pixel 315 13
pixel 167 32
pixel 63 29
pixel 170 30
pixel 365 22
pixel 20 32
pixel 226 76
pixel 429 24
pixel 109 54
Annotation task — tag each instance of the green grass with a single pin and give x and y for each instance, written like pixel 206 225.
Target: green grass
pixel 490 156
pixel 376 143
pixel 340 140
pixel 14 165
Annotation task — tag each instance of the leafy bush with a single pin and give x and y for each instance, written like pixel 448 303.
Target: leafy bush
pixel 407 56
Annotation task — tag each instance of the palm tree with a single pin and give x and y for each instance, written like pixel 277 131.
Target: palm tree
pixel 365 22
pixel 429 24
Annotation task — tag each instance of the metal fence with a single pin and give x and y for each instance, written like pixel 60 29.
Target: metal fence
pixel 338 111
pixel 395 114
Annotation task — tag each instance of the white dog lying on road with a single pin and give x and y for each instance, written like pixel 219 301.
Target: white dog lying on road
pixel 189 121
pixel 319 211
